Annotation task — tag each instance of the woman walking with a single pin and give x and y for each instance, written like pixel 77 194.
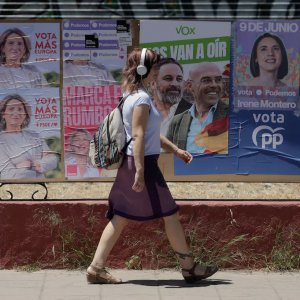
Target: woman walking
pixel 140 191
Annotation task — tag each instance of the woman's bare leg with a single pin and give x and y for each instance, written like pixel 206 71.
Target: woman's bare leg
pixel 177 240
pixel 108 239
pixel 190 271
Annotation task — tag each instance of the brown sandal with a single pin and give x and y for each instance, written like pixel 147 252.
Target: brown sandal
pixel 191 276
pixel 100 276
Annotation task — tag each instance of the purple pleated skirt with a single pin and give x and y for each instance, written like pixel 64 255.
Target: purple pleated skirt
pixel 155 201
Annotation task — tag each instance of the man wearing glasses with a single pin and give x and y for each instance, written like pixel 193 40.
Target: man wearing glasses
pixel 204 127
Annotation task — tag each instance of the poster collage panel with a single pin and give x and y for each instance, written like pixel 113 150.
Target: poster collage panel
pixel 227 92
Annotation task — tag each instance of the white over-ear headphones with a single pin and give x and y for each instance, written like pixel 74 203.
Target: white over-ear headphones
pixel 141 68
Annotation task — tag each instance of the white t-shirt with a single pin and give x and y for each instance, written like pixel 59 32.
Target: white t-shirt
pixel 152 133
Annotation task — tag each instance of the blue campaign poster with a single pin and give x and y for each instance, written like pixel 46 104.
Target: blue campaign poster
pixel 264 104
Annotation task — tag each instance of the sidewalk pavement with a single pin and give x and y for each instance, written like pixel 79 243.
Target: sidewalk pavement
pixel 149 285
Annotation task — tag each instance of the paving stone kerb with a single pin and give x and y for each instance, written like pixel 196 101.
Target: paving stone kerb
pixel 31 232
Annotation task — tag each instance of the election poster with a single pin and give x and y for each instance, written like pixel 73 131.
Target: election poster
pixel 195 46
pixel 264 110
pixel 188 42
pixel 30 136
pixel 202 49
pixel 84 109
pixel 266 61
pixel 30 55
pixel 94 53
pixel 266 96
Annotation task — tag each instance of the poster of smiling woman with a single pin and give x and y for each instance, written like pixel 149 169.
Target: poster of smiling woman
pixel 266 96
pixel 30 136
pixel 29 55
pixel 266 65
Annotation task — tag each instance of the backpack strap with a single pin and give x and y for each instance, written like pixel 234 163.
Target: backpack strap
pixel 126 145
pixel 121 102
pixel 120 106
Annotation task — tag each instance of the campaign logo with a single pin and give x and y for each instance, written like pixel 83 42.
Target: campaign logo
pixel 185 30
pixel 265 136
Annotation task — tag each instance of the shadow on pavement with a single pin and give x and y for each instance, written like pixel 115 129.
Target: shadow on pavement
pixel 174 283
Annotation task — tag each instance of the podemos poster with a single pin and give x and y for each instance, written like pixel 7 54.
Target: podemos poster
pixel 94 53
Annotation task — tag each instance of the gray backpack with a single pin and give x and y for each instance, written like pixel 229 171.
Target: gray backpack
pixel 109 144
